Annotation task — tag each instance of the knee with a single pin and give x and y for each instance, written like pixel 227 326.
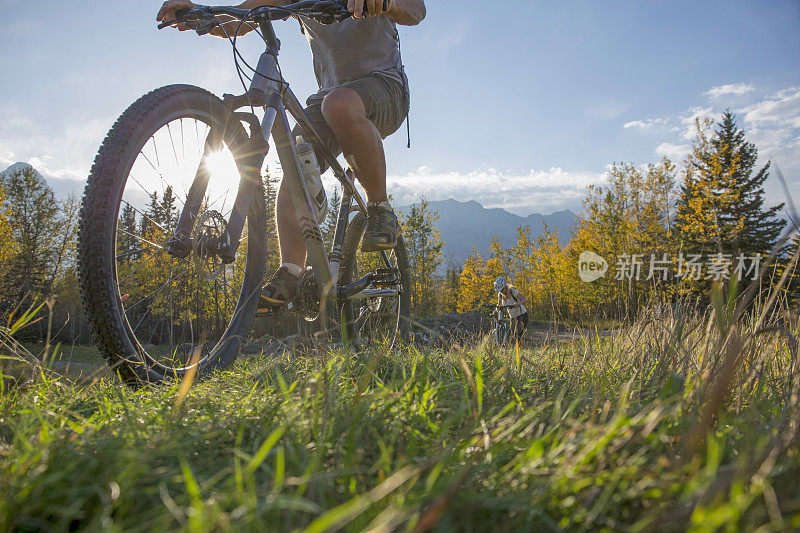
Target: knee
pixel 342 106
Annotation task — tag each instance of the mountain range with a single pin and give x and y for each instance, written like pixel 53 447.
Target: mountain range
pixel 468 225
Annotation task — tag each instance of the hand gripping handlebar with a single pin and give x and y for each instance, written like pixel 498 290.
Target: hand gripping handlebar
pixel 203 19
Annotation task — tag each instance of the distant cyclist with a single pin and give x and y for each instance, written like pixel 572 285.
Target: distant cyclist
pixel 507 295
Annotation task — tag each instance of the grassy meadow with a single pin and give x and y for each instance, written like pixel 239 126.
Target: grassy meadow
pixel 674 423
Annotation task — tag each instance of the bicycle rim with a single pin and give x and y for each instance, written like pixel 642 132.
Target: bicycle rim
pixel 381 319
pixel 176 309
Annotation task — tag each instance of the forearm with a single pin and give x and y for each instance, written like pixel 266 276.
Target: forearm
pixel 407 12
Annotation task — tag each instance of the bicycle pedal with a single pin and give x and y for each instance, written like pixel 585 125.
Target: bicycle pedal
pixel 278 310
pixel 385 276
pixel 291 305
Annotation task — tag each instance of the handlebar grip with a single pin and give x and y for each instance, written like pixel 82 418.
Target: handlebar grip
pixel 180 16
pixel 343 3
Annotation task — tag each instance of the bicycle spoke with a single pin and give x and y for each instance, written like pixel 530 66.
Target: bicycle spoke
pixel 148 217
pixel 155 148
pixel 196 133
pixel 157 170
pixel 183 144
pixel 135 270
pixel 223 195
pixel 154 245
pixel 134 252
pixel 172 142
pixel 129 309
pixel 169 299
pixel 386 260
pixel 150 308
pixel 154 168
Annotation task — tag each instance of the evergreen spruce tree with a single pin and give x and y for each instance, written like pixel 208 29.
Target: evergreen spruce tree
pixel 168 210
pixel 127 244
pixel 328 226
pixel 152 216
pixel 424 246
pixel 270 200
pixel 34 223
pixel 721 206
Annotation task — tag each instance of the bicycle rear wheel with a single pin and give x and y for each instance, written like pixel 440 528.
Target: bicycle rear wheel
pixel 381 318
pixel 155 314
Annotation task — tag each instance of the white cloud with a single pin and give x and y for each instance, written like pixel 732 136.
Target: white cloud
pixel 731 89
pixel 769 139
pixel 62 150
pixel 690 118
pixel 6 159
pixel 675 152
pixel 540 191
pixel 771 122
pixel 645 124
pixel 782 109
pixel 683 124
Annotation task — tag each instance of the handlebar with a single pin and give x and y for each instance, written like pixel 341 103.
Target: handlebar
pixel 500 306
pixel 203 19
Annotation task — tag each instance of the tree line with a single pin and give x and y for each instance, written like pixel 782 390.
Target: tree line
pixel 37 249
pixel 664 232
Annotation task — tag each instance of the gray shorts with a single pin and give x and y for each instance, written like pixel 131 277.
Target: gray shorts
pixel 384 101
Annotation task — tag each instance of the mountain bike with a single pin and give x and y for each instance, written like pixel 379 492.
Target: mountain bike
pixel 173 230
pixel 500 324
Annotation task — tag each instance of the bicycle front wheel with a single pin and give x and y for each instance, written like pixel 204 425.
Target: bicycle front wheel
pixel 156 314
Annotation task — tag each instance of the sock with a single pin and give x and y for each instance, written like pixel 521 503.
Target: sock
pixel 295 270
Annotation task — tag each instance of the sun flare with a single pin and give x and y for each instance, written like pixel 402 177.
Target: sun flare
pixel 222 167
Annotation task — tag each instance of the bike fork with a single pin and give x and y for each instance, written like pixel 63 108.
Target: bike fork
pixel 249 156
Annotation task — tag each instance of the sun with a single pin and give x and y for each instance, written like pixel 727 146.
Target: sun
pixel 222 167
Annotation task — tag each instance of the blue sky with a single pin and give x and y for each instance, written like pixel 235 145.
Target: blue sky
pixel 515 104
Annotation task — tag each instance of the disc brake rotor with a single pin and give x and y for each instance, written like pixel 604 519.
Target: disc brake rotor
pixel 209 230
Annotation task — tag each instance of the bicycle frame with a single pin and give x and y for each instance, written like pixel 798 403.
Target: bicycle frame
pixel 500 330
pixel 268 90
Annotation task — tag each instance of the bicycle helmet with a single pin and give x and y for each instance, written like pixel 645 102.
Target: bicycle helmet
pixel 500 284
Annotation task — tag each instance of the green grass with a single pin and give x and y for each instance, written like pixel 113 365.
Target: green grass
pixel 65 353
pixel 599 433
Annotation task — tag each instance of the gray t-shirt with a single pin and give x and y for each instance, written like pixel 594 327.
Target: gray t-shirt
pixel 353 49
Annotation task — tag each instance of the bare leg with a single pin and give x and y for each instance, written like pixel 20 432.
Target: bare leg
pixel 362 145
pixel 290 242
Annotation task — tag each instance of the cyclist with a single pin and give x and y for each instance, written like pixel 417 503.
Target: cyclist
pixel 508 295
pixel 363 98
